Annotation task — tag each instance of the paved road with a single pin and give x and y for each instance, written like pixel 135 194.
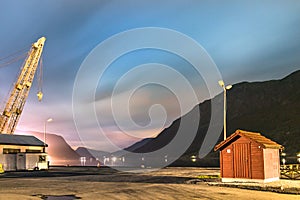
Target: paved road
pixel 105 183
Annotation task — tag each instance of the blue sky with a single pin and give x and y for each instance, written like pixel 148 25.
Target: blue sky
pixel 248 41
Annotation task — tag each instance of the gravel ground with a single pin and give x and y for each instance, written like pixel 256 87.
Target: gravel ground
pixel 93 183
pixel 281 186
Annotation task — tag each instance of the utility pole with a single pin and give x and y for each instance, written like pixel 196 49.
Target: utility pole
pixel 225 88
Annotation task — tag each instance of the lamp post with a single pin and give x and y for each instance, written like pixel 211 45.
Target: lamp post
pixel 225 88
pixel 45 130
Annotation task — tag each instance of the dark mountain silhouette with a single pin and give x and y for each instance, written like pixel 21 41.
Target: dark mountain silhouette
pixel 58 149
pixel 138 144
pixel 271 108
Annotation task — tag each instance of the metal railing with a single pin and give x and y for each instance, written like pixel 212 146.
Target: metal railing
pixel 290 171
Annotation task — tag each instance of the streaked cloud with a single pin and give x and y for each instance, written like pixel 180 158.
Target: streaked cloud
pixel 248 40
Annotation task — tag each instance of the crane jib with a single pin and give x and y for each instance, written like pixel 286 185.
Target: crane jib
pixel 19 93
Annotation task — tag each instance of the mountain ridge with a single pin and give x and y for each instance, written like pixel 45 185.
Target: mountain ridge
pixel 275 104
pixel 59 151
pixel 269 107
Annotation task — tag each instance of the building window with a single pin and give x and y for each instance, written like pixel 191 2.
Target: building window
pixel 10 151
pixel 33 151
pixel 42 158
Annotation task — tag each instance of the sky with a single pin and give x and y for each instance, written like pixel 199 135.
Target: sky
pixel 246 41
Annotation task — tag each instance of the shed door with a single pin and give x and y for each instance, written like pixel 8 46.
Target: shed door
pixel 241 160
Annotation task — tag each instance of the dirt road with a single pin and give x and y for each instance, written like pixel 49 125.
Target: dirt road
pixel 96 183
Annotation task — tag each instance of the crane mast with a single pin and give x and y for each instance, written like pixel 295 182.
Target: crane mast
pixel 11 114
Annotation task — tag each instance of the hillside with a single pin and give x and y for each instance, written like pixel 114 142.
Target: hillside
pixel 58 149
pixel 271 108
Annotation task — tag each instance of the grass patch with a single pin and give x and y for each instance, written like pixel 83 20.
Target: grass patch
pixel 208 176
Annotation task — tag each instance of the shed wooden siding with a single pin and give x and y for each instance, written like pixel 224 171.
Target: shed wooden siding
pixel 233 162
pixel 248 155
pixel 257 161
pixel 252 167
pixel 271 163
pixel 226 162
pixel 241 160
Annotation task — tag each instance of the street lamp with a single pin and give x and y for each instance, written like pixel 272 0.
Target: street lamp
pixel 193 158
pixel 45 130
pixel 225 88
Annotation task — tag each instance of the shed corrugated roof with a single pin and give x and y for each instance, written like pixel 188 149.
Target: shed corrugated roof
pixel 24 140
pixel 257 137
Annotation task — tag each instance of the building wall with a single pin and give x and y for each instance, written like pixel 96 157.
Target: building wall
pixel 10 160
pixel 257 161
pixel 227 162
pixel 22 148
pixel 244 167
pixel 271 163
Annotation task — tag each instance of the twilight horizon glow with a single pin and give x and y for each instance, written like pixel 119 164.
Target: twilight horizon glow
pixel 248 40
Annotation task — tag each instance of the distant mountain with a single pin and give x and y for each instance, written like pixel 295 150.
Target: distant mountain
pixel 271 108
pixel 58 149
pixel 93 157
pixel 84 152
pixel 138 144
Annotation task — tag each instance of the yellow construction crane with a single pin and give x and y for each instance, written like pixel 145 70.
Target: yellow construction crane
pixel 11 114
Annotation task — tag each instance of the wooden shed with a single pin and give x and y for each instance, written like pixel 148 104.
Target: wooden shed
pixel 247 156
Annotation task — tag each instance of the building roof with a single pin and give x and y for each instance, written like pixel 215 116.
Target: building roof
pixel 257 137
pixel 24 140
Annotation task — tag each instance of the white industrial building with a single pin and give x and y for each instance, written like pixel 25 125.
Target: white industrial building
pixel 22 152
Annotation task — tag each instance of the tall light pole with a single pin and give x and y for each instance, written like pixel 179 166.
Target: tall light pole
pixel 45 130
pixel 225 88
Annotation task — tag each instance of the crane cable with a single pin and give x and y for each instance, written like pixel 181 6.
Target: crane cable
pixel 15 53
pixel 14 57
